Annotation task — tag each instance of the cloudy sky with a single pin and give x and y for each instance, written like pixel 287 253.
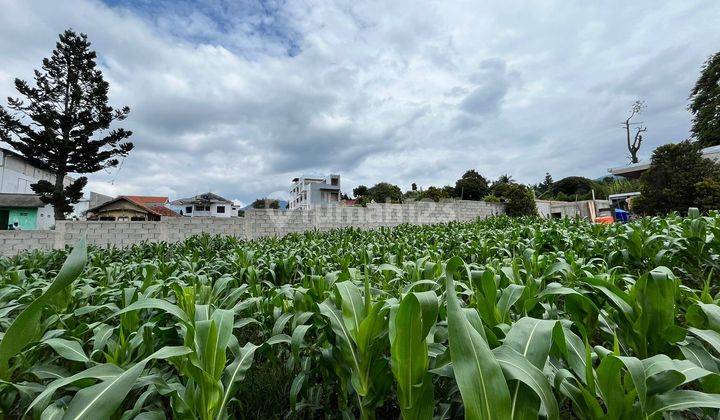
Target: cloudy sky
pixel 238 97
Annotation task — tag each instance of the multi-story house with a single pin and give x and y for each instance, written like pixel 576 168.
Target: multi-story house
pixel 20 207
pixel 308 192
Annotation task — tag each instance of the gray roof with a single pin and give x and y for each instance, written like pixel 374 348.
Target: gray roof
pixel 20 200
pixel 207 198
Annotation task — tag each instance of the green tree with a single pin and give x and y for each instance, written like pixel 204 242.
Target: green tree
pixel 384 192
pixel 677 179
pixel 472 186
pixel 544 186
pixel 705 104
pixel 360 191
pixel 55 126
pixel 266 203
pixel 708 191
pixel 504 179
pixel 412 195
pixel 435 194
pixel 575 187
pixel 519 199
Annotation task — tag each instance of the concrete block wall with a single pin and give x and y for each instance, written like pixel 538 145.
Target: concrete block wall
pixel 268 222
pixel 255 224
pixel 107 233
pixel 175 229
pixel 13 242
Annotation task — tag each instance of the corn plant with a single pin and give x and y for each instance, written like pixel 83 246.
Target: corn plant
pixel 499 318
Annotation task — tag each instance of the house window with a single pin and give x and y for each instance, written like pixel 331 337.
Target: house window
pixel 188 210
pixel 220 209
pixel 202 208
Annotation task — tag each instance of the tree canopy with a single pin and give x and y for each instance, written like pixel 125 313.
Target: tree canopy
pixel 679 178
pixel 519 199
pixel 435 194
pixel 705 104
pixel 266 203
pixel 472 186
pixel 56 124
pixel 384 192
pixel 544 186
pixel 360 191
pixel 573 186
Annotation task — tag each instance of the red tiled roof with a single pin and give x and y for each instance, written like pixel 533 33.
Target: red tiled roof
pixel 150 204
pixel 164 211
pixel 147 199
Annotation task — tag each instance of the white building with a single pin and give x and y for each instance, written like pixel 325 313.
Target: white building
pixel 308 192
pixel 17 174
pixel 204 205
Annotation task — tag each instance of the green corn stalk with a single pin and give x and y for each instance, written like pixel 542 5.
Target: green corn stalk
pixel 26 326
pixel 410 324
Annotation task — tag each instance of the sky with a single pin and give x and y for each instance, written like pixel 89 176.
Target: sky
pixel 239 97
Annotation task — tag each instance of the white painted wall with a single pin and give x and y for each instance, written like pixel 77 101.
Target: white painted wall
pixel 45 217
pixel 308 192
pixel 202 213
pixel 16 175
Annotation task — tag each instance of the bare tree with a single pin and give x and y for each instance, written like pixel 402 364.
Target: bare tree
pixel 634 144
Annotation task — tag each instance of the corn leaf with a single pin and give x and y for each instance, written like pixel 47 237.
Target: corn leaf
pixel 478 374
pixel 26 326
pixel 101 400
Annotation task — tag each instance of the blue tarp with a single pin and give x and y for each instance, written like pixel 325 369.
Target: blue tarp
pixel 621 215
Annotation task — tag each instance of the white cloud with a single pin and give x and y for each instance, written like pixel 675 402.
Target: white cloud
pixel 239 98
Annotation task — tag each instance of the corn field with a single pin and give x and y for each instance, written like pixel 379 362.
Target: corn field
pixel 495 319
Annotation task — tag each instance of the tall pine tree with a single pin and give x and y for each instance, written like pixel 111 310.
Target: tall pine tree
pixel 705 104
pixel 63 124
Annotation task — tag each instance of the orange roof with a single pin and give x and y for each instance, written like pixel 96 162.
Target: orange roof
pixel 164 211
pixel 146 199
pixel 150 204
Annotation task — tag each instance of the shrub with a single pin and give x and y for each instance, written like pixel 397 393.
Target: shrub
pixel 501 190
pixel 412 195
pixel 491 199
pixel 363 201
pixel 708 191
pixel 618 186
pixel 519 200
pixel 435 194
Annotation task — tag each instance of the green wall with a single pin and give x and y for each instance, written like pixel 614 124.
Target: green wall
pixel 26 217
